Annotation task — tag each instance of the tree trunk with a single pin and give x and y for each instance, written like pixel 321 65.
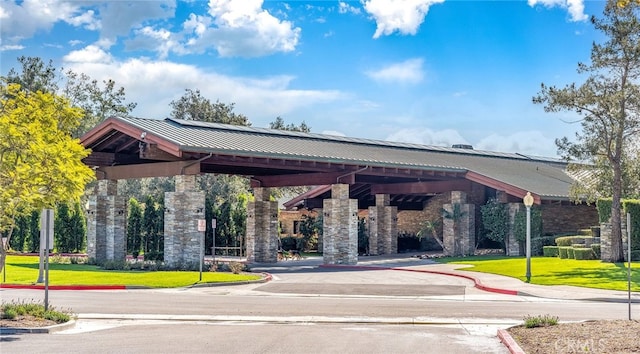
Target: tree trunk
pixel 617 254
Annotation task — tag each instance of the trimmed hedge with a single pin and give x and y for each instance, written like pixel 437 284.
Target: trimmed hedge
pixel 537 244
pixel 583 253
pixel 563 252
pixel 570 253
pixel 571 240
pixel 550 251
pixel 596 250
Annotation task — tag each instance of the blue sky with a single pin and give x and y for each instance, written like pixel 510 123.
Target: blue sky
pixel 422 71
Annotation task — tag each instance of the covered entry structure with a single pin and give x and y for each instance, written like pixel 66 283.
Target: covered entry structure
pixel 359 173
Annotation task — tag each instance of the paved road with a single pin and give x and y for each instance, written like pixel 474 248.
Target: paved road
pixel 303 309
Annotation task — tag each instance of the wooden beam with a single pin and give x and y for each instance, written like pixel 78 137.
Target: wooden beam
pixel 422 187
pixel 157 169
pixel 302 179
pixel 153 152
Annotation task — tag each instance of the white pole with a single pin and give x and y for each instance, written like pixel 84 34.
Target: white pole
pixel 528 244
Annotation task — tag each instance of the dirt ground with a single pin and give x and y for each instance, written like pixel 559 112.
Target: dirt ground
pixel 609 337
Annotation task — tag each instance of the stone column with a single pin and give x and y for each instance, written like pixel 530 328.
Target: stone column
pixel 512 246
pixel 183 209
pixel 340 226
pixel 458 231
pixel 262 227
pixel 383 220
pixel 106 223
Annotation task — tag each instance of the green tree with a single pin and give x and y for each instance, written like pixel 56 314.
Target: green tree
pixel 35 75
pixel 33 239
pixel 98 101
pixel 495 220
pixel 134 228
pixel 20 233
pixel 62 233
pixel 193 106
pixel 152 229
pixel 40 163
pixel 281 125
pixel 78 228
pixel 609 105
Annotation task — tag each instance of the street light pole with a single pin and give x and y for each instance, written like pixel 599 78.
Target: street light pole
pixel 528 202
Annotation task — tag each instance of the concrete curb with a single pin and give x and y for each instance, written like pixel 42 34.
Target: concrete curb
pixel 266 277
pixel 477 283
pixel 509 342
pixel 38 330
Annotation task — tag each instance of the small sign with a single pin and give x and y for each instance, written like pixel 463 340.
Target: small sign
pixel 46 228
pixel 213 223
pixel 202 225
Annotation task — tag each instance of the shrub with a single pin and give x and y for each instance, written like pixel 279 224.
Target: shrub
pixel 571 253
pixel 550 251
pixel 596 250
pixel 583 253
pixel 236 267
pixel 540 321
pixel 115 265
pixel 538 244
pixel 635 255
pixel 14 309
pixel 288 243
pixel 571 240
pixel 563 252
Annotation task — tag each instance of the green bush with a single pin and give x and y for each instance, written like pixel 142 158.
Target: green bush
pixel 635 255
pixel 571 253
pixel 14 309
pixel 596 250
pixel 540 321
pixel 550 251
pixel 563 252
pixel 583 253
pixel 538 243
pixel 571 240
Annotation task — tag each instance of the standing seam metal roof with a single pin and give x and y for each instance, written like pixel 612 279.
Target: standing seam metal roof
pixel 542 176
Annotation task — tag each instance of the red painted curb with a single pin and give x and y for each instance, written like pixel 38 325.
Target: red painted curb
pixel 509 342
pixel 477 283
pixel 64 287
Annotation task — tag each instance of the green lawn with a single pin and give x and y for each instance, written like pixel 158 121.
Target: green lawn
pixel 24 270
pixel 556 271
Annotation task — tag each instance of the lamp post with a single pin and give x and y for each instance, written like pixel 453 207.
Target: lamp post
pixel 528 202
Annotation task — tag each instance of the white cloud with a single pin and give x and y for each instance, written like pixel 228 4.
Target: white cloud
pixel 154 84
pixel 446 137
pixel 525 142
pixel 8 47
pixel 89 54
pixel 409 71
pixel 244 29
pixel 404 16
pixel 574 7
pixel 23 20
pixel 344 7
pixel 118 18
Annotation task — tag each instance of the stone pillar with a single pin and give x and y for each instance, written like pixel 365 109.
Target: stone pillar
pixel 183 209
pixel 383 221
pixel 106 223
pixel 512 246
pixel 459 232
pixel 262 227
pixel 340 226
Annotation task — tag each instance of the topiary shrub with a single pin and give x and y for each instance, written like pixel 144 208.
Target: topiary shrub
pixel 550 251
pixel 572 240
pixel 596 250
pixel 537 244
pixel 583 253
pixel 563 252
pixel 570 253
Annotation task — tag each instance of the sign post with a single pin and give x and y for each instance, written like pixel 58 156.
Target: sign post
pixel 213 248
pixel 4 269
pixel 202 227
pixel 46 232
